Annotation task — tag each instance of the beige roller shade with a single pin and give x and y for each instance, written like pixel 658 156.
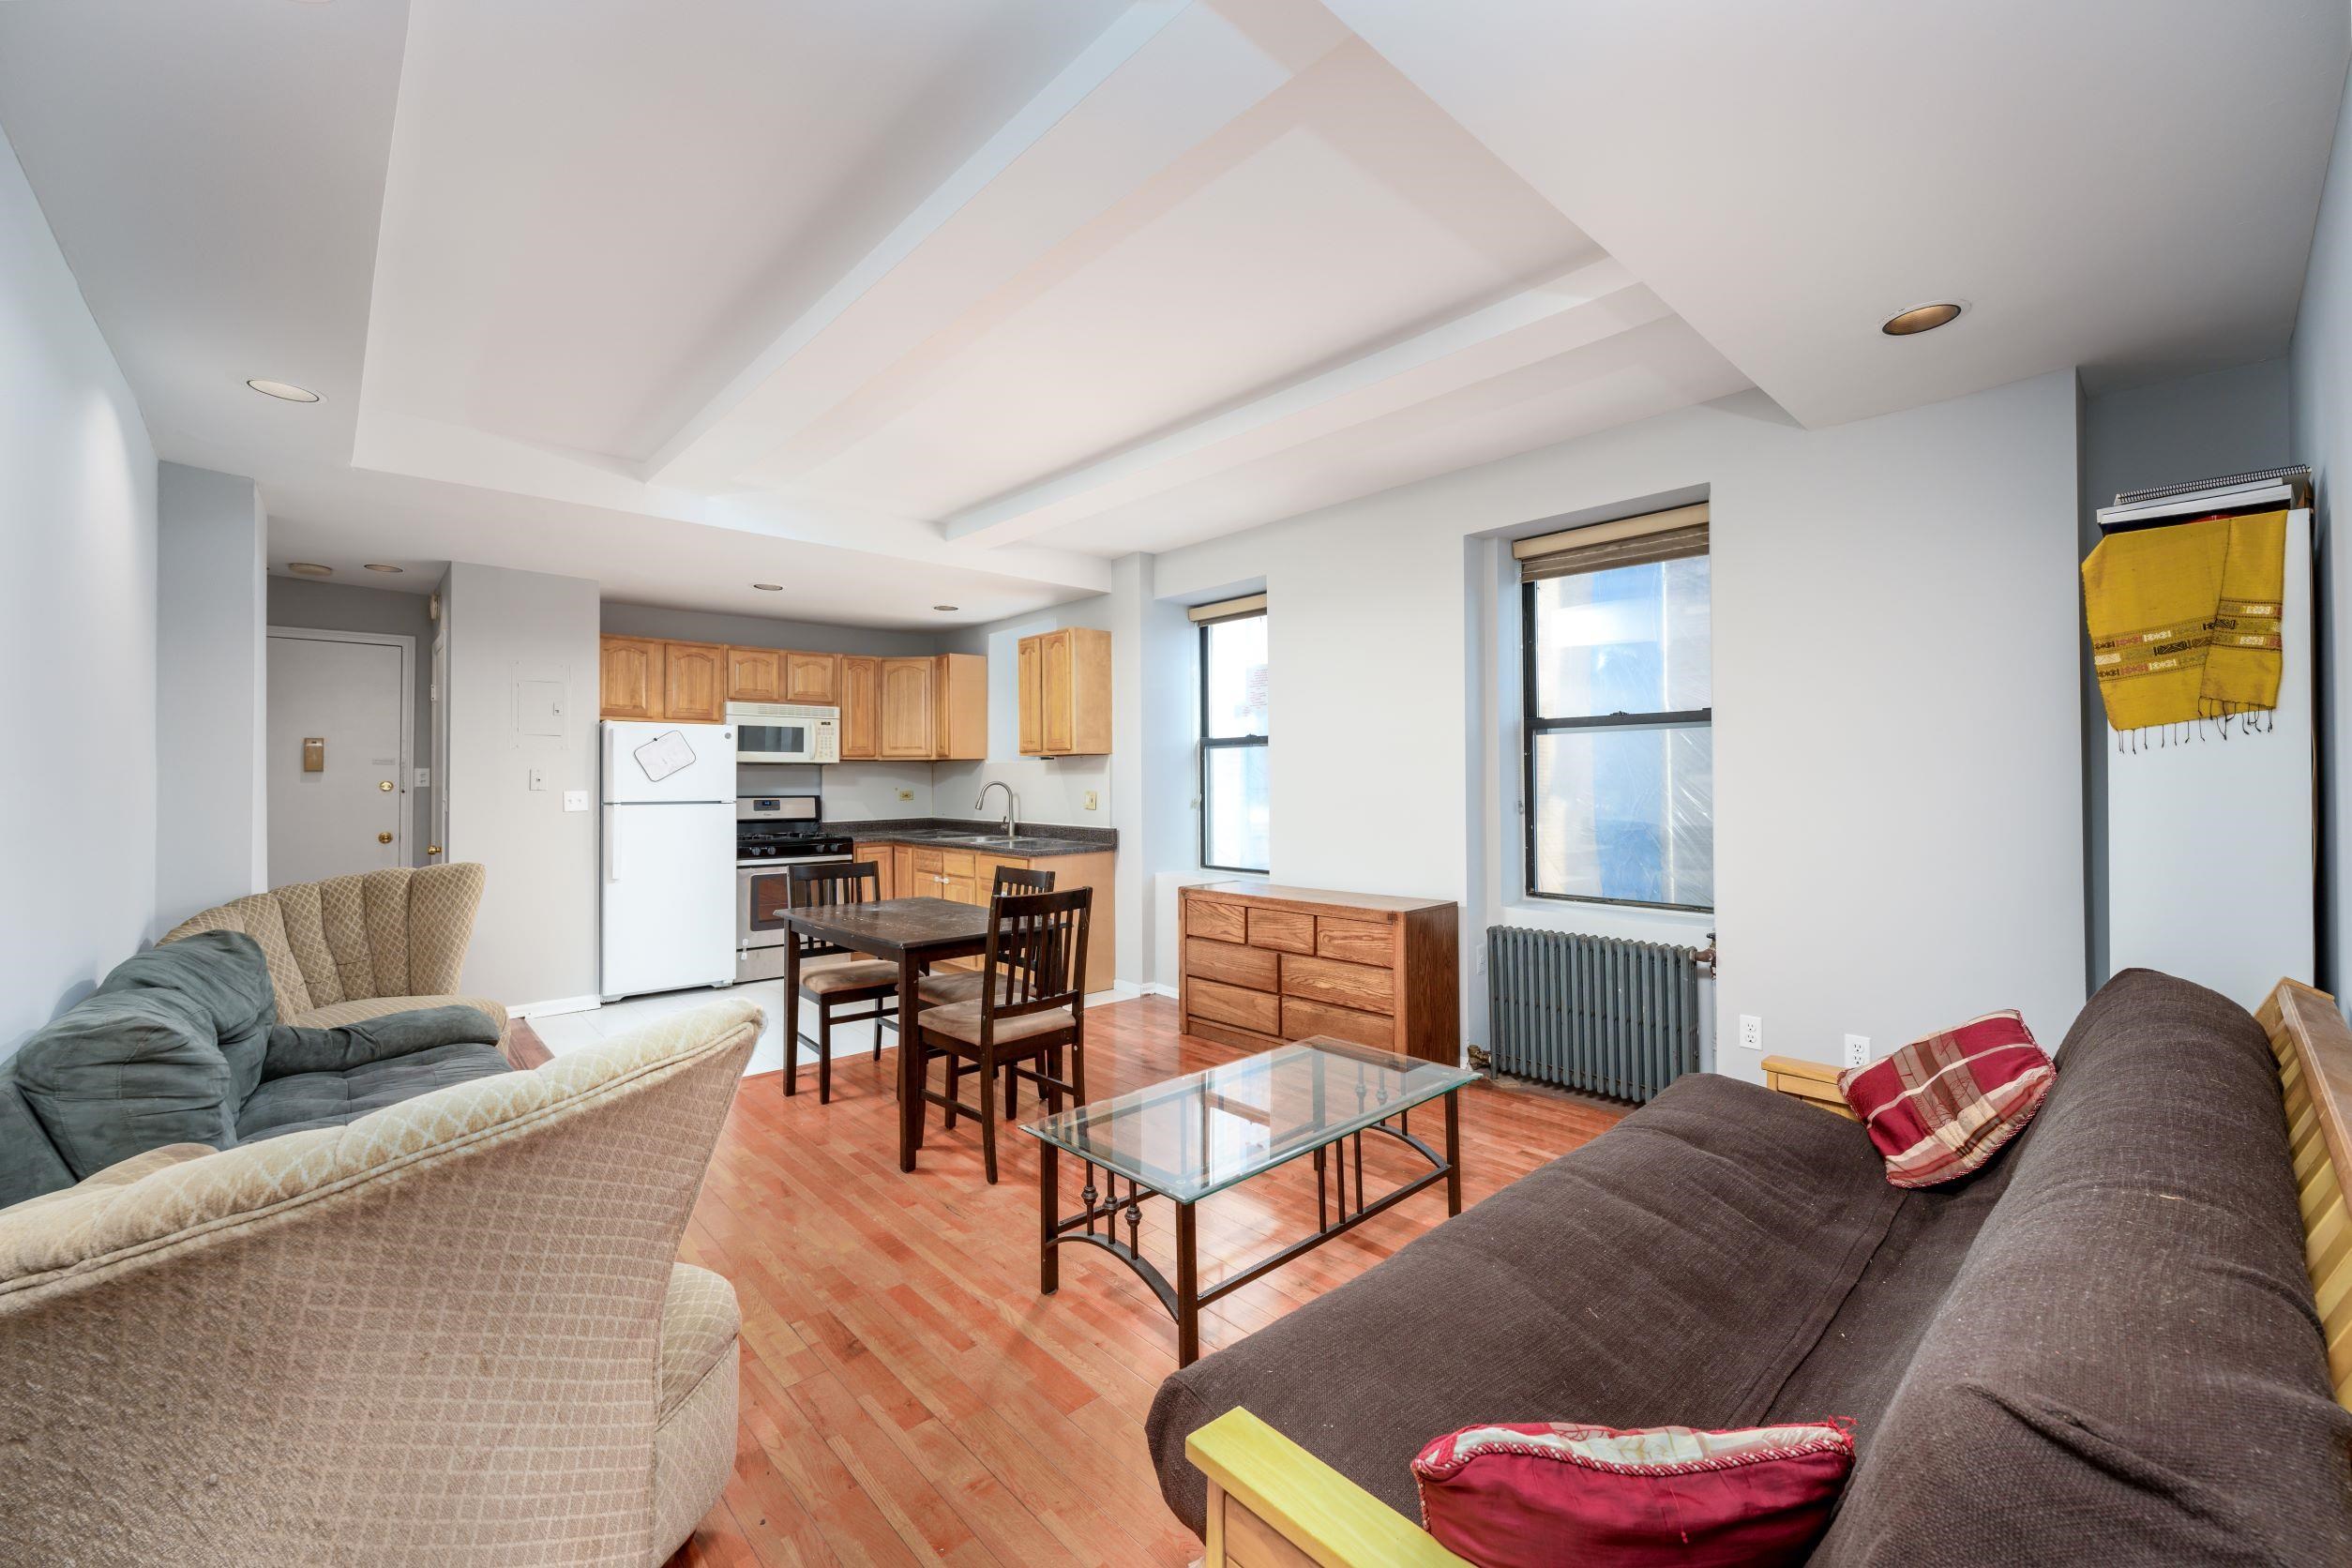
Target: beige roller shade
pixel 1666 536
pixel 1229 610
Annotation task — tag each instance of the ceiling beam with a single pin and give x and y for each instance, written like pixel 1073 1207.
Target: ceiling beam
pixel 1578 308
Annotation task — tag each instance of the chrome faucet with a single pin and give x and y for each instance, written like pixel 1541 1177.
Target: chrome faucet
pixel 1012 804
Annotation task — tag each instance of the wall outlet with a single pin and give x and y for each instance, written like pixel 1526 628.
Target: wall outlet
pixel 575 800
pixel 538 778
pixel 1858 1050
pixel 1090 800
pixel 906 794
pixel 1750 1032
pixel 423 778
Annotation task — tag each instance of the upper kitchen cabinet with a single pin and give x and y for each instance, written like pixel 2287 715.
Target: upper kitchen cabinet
pixel 906 710
pixel 813 678
pixel 629 676
pixel 861 708
pixel 1064 679
pixel 755 675
pixel 694 683
pixel 934 709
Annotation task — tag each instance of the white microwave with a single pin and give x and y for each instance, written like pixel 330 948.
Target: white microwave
pixel 785 732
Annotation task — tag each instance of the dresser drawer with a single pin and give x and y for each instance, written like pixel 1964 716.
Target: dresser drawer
pixel 1282 930
pixel 1358 941
pixel 1215 999
pixel 1303 1016
pixel 1251 967
pixel 1357 985
pixel 1218 922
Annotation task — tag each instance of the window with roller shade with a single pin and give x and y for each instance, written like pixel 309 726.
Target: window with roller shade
pixel 1235 818
pixel 1618 769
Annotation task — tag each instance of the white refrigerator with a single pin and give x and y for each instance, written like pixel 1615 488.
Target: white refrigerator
pixel 669 857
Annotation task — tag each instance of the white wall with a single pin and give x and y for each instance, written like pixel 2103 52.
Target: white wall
pixel 1051 789
pixel 1898 771
pixel 2320 368
pixel 538 936
pixel 77 608
pixel 1156 722
pixel 211 818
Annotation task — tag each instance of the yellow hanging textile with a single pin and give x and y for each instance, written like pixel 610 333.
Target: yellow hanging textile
pixel 2184 619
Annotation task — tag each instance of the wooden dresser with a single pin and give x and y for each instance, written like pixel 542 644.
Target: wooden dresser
pixel 1265 964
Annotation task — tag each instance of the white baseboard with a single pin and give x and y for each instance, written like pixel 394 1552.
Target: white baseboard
pixel 1119 990
pixel 560 1004
pixel 1152 987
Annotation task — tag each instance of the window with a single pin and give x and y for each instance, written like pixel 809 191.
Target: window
pixel 1619 775
pixel 1233 803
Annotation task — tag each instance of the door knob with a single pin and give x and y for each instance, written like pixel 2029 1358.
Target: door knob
pixel 384 839
pixel 432 849
pixel 385 784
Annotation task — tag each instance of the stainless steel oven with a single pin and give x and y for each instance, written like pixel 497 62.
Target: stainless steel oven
pixel 772 833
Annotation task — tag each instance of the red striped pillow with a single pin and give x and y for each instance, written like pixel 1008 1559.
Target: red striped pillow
pixel 1942 1107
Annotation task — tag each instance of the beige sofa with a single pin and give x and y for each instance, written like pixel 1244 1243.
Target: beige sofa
pixel 359 946
pixel 449 1332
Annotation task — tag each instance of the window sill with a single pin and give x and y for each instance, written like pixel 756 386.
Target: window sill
pixel 1681 928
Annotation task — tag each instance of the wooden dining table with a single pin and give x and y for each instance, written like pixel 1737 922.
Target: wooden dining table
pixel 914 933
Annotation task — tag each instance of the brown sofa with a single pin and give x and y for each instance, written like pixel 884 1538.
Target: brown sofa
pixel 360 946
pixel 2101 1349
pixel 451 1332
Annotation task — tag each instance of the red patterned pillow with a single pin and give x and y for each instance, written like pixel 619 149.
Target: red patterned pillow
pixel 1557 1495
pixel 1941 1106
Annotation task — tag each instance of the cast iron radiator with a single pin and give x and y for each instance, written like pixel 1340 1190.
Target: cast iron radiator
pixel 1593 1014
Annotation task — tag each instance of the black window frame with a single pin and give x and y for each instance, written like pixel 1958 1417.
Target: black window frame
pixel 1210 744
pixel 1533 724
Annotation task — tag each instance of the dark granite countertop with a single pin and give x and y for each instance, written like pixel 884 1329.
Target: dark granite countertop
pixel 1035 840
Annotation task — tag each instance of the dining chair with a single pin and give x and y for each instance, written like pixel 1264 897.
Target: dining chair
pixel 963 984
pixel 1030 1009
pixel 839 979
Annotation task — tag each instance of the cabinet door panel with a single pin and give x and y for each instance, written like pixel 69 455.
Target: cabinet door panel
pixel 694 683
pixel 812 678
pixel 861 709
pixel 1058 731
pixel 906 708
pixel 1032 700
pixel 630 677
pixel 754 675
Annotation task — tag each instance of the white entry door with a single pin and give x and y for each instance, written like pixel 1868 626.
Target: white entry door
pixel 338 726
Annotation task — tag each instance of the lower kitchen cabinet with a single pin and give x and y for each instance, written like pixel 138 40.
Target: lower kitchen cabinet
pixel 966 877
pixel 1268 964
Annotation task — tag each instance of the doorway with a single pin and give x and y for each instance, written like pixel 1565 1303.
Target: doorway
pixel 342 705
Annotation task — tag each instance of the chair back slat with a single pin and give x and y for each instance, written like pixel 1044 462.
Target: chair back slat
pixel 1036 953
pixel 824 885
pixel 1012 879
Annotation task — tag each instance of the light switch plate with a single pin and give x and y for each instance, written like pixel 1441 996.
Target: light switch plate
pixel 1090 800
pixel 423 778
pixel 906 794
pixel 538 778
pixel 1750 1032
pixel 1858 1050
pixel 575 800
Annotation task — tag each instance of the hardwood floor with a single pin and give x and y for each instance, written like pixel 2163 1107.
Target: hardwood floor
pixel 907 1394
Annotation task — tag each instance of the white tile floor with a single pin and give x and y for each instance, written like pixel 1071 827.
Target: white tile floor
pixel 571 1031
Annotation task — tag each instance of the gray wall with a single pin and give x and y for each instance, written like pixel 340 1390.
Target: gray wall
pixel 763 631
pixel 212 817
pixel 349 607
pixel 537 937
pixel 2320 372
pixel 2172 432
pixel 78 620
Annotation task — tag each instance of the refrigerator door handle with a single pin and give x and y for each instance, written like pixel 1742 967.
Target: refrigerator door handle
pixel 612 844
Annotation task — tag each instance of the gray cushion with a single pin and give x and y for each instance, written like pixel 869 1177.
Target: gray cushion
pixel 296 1049
pixel 125 1071
pixel 224 978
pixel 30 1162
pixel 300 1100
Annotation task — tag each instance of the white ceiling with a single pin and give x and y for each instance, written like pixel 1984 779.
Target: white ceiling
pixel 955 301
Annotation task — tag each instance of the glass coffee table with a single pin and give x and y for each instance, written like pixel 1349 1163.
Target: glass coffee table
pixel 1197 1135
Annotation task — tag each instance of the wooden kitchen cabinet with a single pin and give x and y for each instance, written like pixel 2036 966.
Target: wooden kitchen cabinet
pixel 861 709
pixel 1265 964
pixel 959 685
pixel 966 877
pixel 907 714
pixel 694 683
pixel 755 675
pixel 630 677
pixel 885 867
pixel 1065 687
pixel 813 678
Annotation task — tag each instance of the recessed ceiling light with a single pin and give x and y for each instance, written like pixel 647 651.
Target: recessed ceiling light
pixel 1919 318
pixel 309 568
pixel 946 607
pixel 380 567
pixel 769 587
pixel 285 389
